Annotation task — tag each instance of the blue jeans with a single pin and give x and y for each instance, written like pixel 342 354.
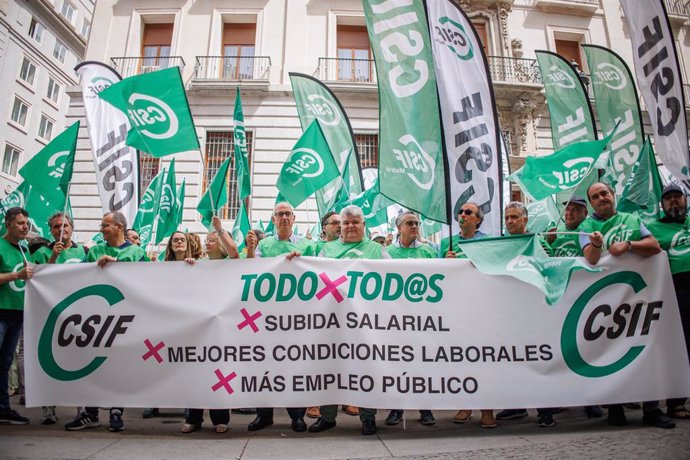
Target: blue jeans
pixel 10 330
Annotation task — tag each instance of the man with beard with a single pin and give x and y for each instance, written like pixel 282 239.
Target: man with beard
pixel 674 237
pixel 618 232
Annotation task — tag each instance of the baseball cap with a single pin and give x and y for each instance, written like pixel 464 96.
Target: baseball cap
pixel 576 199
pixel 672 187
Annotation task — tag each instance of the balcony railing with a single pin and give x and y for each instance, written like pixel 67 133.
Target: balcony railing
pixel 514 70
pixel 347 70
pixel 232 68
pixel 128 66
pixel 678 7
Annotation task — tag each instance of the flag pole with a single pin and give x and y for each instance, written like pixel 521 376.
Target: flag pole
pixel 306 205
pixel 64 210
pixel 210 192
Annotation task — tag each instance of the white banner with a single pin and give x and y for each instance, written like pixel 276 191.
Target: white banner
pixel 468 114
pixel 407 334
pixel 116 164
pixel 659 80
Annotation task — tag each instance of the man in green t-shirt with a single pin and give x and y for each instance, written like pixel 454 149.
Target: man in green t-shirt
pixel 115 248
pixel 673 233
pixel 282 242
pixel 618 232
pixel 567 245
pixel 13 275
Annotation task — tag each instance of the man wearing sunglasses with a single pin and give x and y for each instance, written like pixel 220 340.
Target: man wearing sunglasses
pixel 470 218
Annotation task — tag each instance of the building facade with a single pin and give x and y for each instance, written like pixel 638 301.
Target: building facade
pixel 254 44
pixel 40 43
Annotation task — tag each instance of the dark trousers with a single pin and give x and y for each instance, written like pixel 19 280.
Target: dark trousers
pixel 681 283
pixel 293 412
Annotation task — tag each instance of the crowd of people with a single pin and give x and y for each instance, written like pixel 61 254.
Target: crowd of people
pixel 344 237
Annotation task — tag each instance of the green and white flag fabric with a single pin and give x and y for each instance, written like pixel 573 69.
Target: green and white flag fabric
pixel 374 205
pixel 642 193
pixel 179 203
pixel 38 207
pixel 259 225
pixel 541 177
pixel 430 227
pixel 411 168
pixel 148 209
pixel 244 184
pixel 308 168
pixel 240 227
pixel 167 209
pixel 543 215
pixel 524 258
pixel 50 170
pixel 158 111
pixel 315 101
pixel 97 238
pixel 617 101
pixel 216 194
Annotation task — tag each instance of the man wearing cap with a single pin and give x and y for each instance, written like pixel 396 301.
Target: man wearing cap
pixel 674 237
pixel 567 245
pixel 618 232
pixel 470 218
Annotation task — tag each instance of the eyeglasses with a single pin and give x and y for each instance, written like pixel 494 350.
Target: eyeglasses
pixel 179 240
pixel 283 214
pixel 412 223
pixel 467 212
pixel 335 222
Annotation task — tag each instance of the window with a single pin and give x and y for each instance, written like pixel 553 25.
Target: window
pixel 149 166
pixel 238 51
pixel 60 51
pixel 85 28
pixel 19 111
pixel 10 160
pixel 28 71
pixel 53 90
pixel 45 129
pixel 570 50
pixel 219 145
pixel 368 147
pixel 67 11
pixel 36 30
pixel 156 47
pixel 354 54
pixel 480 27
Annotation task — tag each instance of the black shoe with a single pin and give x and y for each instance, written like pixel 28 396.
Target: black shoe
pixel 243 410
pixel 394 417
pixel 617 415
pixel 368 427
pixel 259 423
pixel 150 412
pixel 321 425
pixel 510 414
pixel 545 420
pixel 657 418
pixel 593 412
pixel 426 418
pixel 298 425
pixel 633 406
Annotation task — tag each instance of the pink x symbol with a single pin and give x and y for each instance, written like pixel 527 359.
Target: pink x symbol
pixel 249 320
pixel 153 351
pixel 224 381
pixel 331 287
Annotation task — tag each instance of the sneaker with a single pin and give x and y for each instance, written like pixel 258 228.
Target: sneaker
pixel 49 417
pixel 510 414
pixel 394 417
pixel 83 420
pixel 150 413
pixel 368 427
pixel 426 418
pixel 545 420
pixel 12 417
pixel 116 423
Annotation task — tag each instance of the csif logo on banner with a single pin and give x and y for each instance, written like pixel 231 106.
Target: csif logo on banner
pixel 454 36
pixel 560 78
pixel 167 198
pixel 416 163
pixel 305 164
pixel 610 76
pixel 88 333
pixel 98 84
pixel 680 243
pixel 322 109
pixel 388 287
pixel 575 170
pixel 627 324
pixel 152 116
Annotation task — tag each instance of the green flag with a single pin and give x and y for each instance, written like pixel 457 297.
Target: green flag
pixel 167 210
pixel 309 167
pixel 244 185
pixel 342 198
pixel 543 215
pixel 50 170
pixel 216 194
pixel 374 205
pixel 38 207
pixel 156 105
pixel 259 226
pixel 616 101
pixel 524 258
pixel 179 203
pixel 411 162
pixel 97 238
pixel 240 227
pixel 541 177
pixel 642 192
pixel 430 227
pixel 148 209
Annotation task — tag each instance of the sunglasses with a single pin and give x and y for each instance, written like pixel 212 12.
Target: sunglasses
pixel 467 212
pixel 412 223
